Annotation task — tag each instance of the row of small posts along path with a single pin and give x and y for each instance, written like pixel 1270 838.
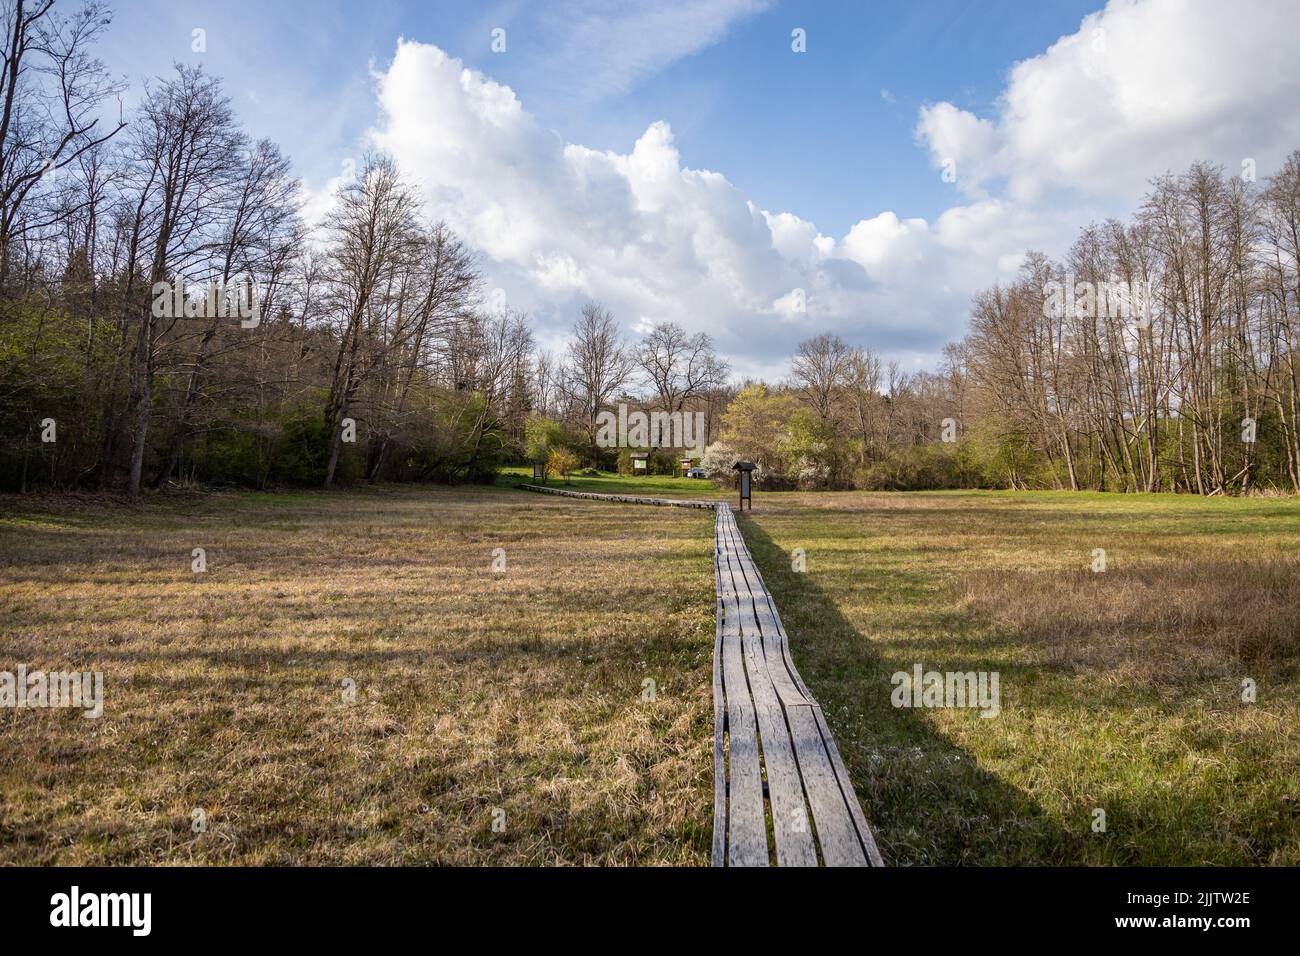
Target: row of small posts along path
pixel 781 792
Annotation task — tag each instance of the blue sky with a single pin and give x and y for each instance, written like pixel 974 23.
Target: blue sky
pixel 575 160
pixel 776 124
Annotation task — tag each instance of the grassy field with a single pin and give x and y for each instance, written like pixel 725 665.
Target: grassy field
pixel 524 692
pixel 1121 690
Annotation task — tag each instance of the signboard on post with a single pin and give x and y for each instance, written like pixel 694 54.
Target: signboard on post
pixel 539 471
pixel 640 460
pixel 746 469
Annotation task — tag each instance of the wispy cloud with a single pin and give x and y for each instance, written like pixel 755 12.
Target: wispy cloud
pixel 589 49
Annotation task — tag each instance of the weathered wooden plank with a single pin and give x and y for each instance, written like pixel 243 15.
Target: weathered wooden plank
pixel 822 768
pixel 790 821
pixel 746 823
pixel 836 834
pixel 746 816
pixel 865 835
pixel 774 639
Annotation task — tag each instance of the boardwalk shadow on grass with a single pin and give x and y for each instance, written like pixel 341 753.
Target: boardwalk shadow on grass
pixel 926 798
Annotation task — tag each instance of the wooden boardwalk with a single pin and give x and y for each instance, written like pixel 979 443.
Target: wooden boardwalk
pixel 781 793
pixel 628 499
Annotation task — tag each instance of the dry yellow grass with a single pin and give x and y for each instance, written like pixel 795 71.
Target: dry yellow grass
pixel 521 692
pixel 1151 622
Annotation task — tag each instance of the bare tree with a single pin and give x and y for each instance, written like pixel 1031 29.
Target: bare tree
pixel 374 233
pixel 50 91
pixel 437 294
pixel 183 157
pixel 599 364
pixel 679 367
pixel 819 371
pixel 862 393
pixel 1280 304
pixel 259 226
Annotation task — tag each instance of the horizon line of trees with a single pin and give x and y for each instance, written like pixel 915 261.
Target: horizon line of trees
pixel 1161 354
pixel 1190 382
pixel 362 353
pixel 367 351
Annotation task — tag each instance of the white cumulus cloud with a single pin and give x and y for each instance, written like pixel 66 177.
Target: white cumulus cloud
pixel 1078 132
pixel 1141 88
pixel 651 237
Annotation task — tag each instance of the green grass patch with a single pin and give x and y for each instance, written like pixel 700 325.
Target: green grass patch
pixel 608 482
pixel 1121 690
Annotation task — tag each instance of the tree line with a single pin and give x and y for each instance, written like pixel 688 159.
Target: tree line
pixel 1160 354
pixel 668 370
pixel 166 317
pixel 1186 380
pixel 362 351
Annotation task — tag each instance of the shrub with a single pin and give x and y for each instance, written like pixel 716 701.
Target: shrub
pixel 663 462
pixel 540 436
pixel 302 449
pixel 810 450
pixel 561 463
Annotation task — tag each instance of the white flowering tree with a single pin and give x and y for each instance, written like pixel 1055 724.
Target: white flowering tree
pixel 717 461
